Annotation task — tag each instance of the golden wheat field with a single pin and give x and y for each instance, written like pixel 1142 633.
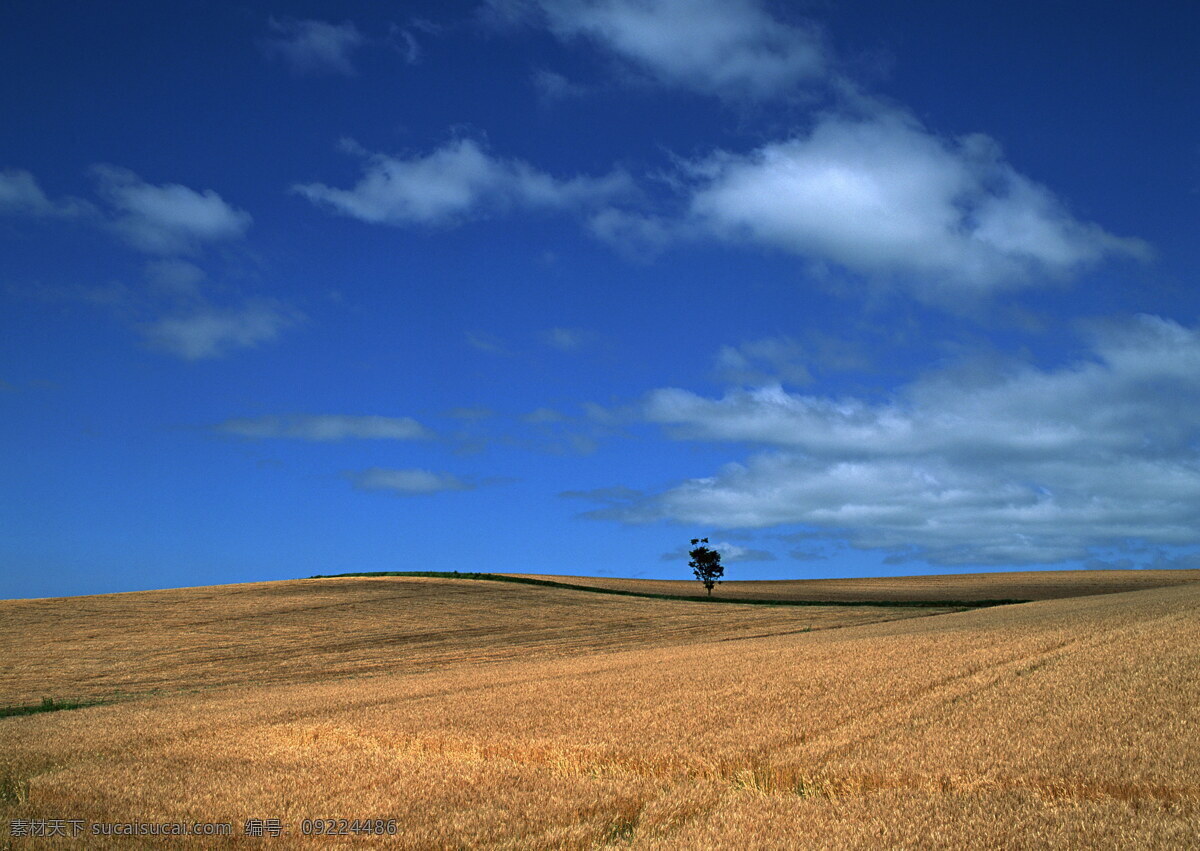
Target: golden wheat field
pixel 134 644
pixel 480 714
pixel 1017 585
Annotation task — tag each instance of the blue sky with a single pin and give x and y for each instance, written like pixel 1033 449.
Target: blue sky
pixel 851 288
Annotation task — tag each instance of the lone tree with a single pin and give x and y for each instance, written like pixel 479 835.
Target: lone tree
pixel 705 563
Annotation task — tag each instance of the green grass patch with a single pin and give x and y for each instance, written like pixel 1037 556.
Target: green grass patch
pixel 47 705
pixel 698 598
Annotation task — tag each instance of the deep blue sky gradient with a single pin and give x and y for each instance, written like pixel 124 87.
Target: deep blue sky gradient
pixel 120 470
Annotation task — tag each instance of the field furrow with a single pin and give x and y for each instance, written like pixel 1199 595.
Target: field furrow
pixel 1063 723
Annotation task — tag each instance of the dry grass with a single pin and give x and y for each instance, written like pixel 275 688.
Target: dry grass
pixel 1065 723
pixel 1021 585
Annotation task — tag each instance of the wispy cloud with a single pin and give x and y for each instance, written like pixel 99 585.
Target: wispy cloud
pixel 327 427
pixel 458 181
pixel 732 48
pixel 317 47
pixel 729 553
pixel 541 416
pixel 486 343
pixel 772 359
pixel 806 555
pixel 21 195
pixel 966 466
pixel 174 277
pixel 174 313
pixel 406 482
pixel 615 495
pixel 567 339
pixel 167 218
pixel 211 332
pixel 405 43
pixel 553 86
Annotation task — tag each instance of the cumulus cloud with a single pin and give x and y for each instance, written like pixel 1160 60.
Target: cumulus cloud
pixel 406 482
pixel 209 331
pixel 317 47
pixel 732 48
pixel 456 182
pixel 881 195
pixel 964 467
pixel 867 188
pixel 327 427
pixel 167 218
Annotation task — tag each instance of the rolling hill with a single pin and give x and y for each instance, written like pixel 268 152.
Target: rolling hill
pixel 487 714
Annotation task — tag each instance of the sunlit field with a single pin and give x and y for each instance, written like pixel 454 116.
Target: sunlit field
pixel 1023 585
pixel 485 714
pixel 195 639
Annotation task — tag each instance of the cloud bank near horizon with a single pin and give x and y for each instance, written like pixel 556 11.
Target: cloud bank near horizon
pixel 977 465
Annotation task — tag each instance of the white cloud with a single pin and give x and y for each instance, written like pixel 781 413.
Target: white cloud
pixel 552 86
pixel 457 181
pixel 173 313
pixel 210 332
pixel 319 47
pixel 868 189
pixel 541 416
pixel 730 553
pixel 175 277
pixel 639 235
pixel 880 195
pixel 567 339
pixel 167 219
pixel 21 195
pixel 763 361
pixel 406 482
pixel 327 427
pixel 969 466
pixel 732 48
pixel 486 343
pixel 405 43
